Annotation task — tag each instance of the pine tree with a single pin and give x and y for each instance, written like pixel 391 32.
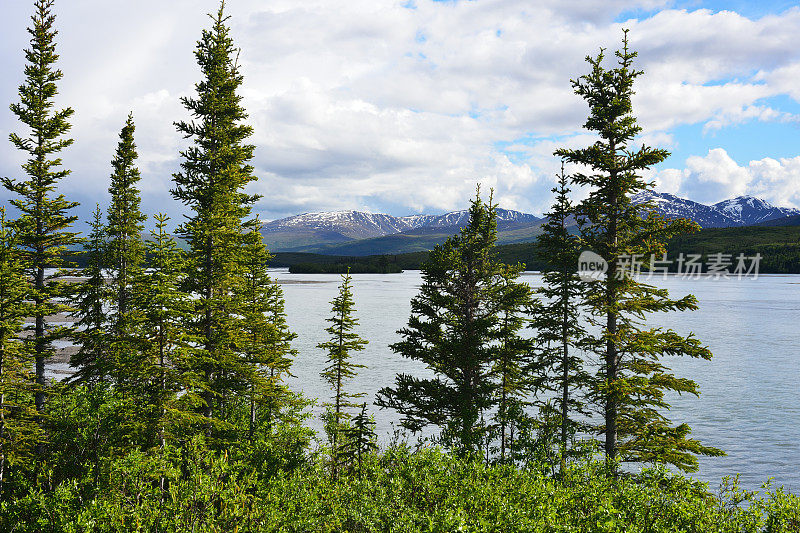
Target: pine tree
pixel 92 361
pixel 557 321
pixel 453 329
pixel 126 252
pixel 214 172
pixel 632 382
pixel 43 226
pixel 18 429
pixel 343 342
pixel 512 352
pixel 165 311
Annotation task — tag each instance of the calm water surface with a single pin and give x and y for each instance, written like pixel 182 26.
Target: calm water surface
pixel 750 401
pixel 750 391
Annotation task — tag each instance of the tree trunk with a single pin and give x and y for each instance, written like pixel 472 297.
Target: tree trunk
pixel 612 359
pixel 2 419
pixel 564 369
pixel 39 342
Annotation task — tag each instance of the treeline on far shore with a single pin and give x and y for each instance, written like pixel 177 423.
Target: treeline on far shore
pixel 779 247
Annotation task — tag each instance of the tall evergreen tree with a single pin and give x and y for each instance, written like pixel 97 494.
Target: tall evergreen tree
pixel 18 429
pixel 214 173
pixel 632 382
pixel 280 354
pixel 453 330
pixel 557 369
pixel 125 248
pixel 512 352
pixel 165 311
pixel 43 226
pixel 343 341
pixel 93 361
pixel 267 339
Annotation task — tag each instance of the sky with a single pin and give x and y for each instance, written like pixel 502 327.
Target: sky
pixel 403 106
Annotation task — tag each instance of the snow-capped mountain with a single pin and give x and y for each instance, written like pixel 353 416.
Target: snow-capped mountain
pixel 739 211
pixel 672 206
pixel 460 218
pixel 318 232
pixel 361 225
pixel 750 210
pixel 352 224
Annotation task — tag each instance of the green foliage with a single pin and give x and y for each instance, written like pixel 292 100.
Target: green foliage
pixel 266 342
pixel 328 263
pixel 343 341
pixel 19 432
pixel 214 172
pixel 511 360
pixel 192 489
pixel 779 247
pixel 360 440
pixel 456 330
pixel 160 333
pixel 557 370
pixel 44 222
pixel 93 361
pixel 89 426
pixel 125 257
pixel 179 417
pixel 632 382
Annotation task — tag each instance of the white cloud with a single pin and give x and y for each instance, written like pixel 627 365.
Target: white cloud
pixel 371 103
pixel 717 176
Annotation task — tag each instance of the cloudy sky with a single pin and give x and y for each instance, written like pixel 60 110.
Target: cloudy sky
pixel 402 106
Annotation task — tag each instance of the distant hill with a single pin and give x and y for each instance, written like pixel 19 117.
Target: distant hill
pixel 793 220
pixel 359 233
pixel 779 247
pixel 421 240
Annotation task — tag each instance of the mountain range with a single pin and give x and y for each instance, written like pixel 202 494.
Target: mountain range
pixel 736 212
pixel 357 233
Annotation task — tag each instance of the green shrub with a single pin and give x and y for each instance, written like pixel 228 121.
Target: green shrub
pixel 194 489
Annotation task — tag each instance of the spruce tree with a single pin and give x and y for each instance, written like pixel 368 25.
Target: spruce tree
pixel 557 369
pixel 19 432
pixel 92 361
pixel 267 339
pixel 360 439
pixel 453 330
pixel 160 329
pixel 125 250
pixel 512 356
pixel 43 226
pixel 632 381
pixel 343 341
pixel 280 354
pixel 214 172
